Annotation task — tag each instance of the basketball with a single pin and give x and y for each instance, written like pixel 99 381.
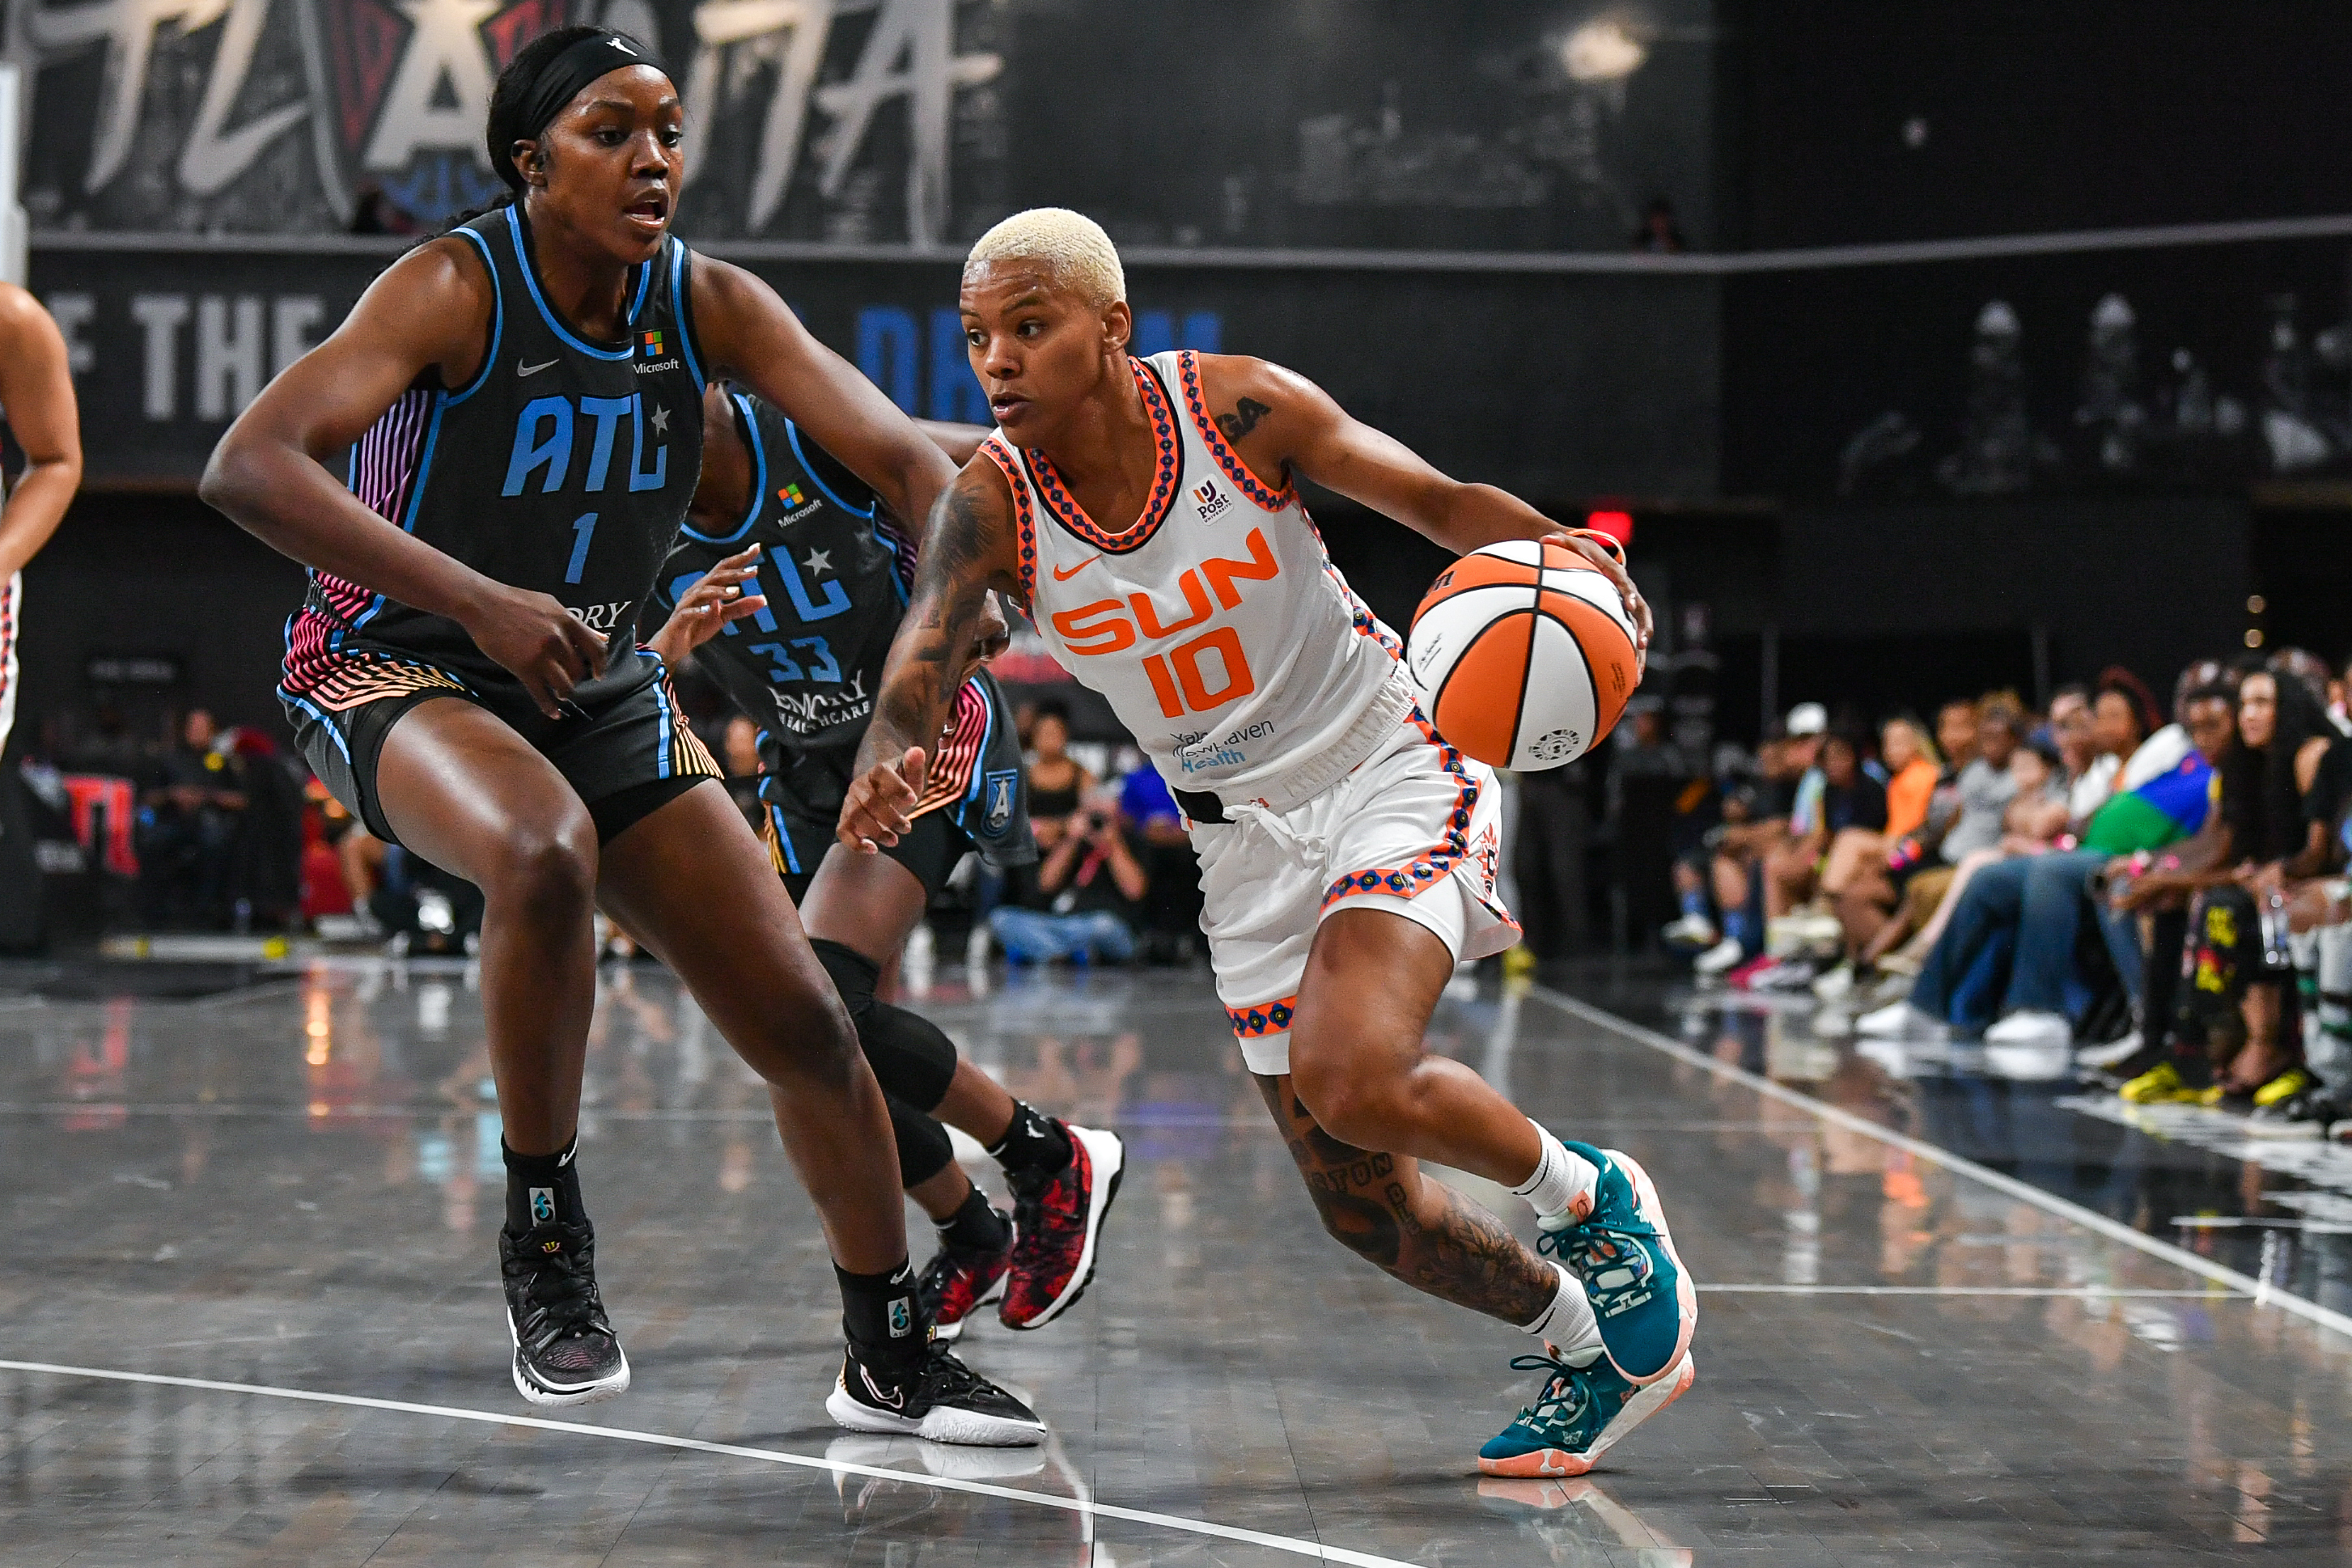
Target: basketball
pixel 1525 653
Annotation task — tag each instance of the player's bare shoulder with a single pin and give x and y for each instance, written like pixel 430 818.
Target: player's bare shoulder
pixel 436 300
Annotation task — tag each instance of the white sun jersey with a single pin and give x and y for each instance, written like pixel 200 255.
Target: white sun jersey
pixel 1226 641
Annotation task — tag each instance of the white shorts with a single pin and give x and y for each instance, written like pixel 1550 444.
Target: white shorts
pixel 1415 829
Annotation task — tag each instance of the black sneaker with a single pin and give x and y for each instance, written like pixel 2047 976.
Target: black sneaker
pixel 2308 1114
pixel 566 1352
pixel 935 1396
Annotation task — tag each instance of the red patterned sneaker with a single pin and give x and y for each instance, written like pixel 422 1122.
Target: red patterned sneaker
pixel 1058 1221
pixel 957 1283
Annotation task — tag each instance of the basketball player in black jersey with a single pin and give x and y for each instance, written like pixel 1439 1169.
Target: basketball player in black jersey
pixel 524 397
pixel 790 577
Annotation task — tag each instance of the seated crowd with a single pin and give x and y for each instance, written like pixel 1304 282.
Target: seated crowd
pixel 2164 896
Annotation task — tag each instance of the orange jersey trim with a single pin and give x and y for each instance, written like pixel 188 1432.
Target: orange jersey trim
pixel 1025 518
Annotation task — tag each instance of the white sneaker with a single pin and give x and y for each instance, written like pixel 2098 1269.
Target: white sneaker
pixel 2110 1055
pixel 1724 955
pixel 1690 931
pixel 1836 985
pixel 2032 1027
pixel 1900 1021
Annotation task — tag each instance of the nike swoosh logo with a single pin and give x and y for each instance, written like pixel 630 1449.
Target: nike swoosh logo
pixel 522 369
pixel 1062 576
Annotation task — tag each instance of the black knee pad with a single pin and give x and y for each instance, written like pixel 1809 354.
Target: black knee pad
pixel 912 1059
pixel 924 1149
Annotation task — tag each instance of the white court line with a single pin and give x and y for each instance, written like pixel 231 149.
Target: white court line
pixel 1294 1547
pixel 2025 1192
pixel 2054 1292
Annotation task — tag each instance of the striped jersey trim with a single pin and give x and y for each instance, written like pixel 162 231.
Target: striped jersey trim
pixel 341 681
pixel 1196 404
pixel 957 760
pixel 1024 516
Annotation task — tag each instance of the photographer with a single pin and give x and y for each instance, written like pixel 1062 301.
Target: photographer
pixel 1087 896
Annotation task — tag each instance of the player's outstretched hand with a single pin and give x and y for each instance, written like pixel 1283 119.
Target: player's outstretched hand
pixel 717 599
pixel 545 644
pixel 880 804
pixel 1637 608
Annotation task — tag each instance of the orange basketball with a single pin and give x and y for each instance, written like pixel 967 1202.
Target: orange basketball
pixel 1524 653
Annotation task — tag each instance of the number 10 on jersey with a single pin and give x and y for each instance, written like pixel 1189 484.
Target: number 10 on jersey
pixel 1178 680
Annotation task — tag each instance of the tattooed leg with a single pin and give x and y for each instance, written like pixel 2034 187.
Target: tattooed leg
pixel 1383 1209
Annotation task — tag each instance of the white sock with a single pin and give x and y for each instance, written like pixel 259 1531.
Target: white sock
pixel 1563 1184
pixel 1567 1322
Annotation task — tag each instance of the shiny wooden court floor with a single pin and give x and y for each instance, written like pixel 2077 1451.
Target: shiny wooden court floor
pixel 249 1313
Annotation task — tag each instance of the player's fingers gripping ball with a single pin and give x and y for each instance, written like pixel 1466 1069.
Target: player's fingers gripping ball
pixel 1524 655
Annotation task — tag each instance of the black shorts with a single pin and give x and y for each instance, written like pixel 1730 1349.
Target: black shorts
pixel 976 798
pixel 796 847
pixel 624 760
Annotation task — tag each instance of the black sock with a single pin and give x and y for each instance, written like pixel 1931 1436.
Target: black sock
pixel 1033 1145
pixel 976 1227
pixel 542 1188
pixel 880 1314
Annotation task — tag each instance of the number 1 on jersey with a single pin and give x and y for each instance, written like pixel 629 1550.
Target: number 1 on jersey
pixel 584 526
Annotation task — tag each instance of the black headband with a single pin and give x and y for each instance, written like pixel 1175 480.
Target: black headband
pixel 572 70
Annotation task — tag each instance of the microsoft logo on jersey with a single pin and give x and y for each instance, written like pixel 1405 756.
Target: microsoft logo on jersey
pixel 791 496
pixel 652 342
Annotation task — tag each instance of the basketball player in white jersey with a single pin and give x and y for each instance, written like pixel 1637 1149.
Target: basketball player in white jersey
pixel 1143 512
pixel 37 394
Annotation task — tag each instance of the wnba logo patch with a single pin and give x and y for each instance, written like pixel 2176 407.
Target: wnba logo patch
pixel 1211 499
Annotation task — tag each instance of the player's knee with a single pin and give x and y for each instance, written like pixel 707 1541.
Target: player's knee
pixel 549 871
pixel 853 974
pixel 1354 1105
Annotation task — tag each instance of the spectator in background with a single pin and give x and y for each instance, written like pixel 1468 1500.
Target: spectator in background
pixel 1752 830
pixel 1171 911
pixel 2280 801
pixel 187 823
pixel 1087 896
pixel 1837 797
pixel 1985 787
pixel 1057 782
pixel 1856 877
pixel 1956 734
pixel 2039 898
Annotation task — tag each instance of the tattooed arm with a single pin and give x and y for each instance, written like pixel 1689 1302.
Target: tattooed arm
pixel 967 550
pixel 1281 424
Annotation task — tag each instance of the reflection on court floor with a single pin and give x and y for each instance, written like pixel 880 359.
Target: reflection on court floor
pixel 247 1310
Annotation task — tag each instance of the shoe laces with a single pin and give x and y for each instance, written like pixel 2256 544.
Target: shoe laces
pixel 1587 1247
pixel 1563 1398
pixel 561 1294
pixel 945 1377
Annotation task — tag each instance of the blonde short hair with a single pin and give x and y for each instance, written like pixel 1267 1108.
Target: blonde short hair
pixel 1071 247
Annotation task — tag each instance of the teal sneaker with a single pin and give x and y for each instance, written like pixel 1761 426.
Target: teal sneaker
pixel 1621 1250
pixel 1585 1409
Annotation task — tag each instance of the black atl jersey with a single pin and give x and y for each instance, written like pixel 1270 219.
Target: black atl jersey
pixel 564 467
pixel 834 571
